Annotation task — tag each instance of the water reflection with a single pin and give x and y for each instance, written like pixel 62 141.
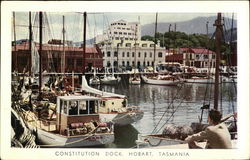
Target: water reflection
pixel 168 104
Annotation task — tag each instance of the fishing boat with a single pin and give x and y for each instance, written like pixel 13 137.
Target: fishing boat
pixel 76 123
pixel 114 107
pixel 173 136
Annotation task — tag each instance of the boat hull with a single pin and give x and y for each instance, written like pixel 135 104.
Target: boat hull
pixel 160 82
pixel 49 139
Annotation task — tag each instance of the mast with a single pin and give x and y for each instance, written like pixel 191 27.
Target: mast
pixel 218 46
pixel 63 57
pixel 30 43
pixel 40 50
pixel 84 40
pixel 14 30
pixel 135 49
pixel 155 41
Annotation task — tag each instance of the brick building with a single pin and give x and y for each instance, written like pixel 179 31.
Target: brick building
pixel 51 58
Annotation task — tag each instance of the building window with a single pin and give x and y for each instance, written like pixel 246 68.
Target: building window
pixel 108 64
pixel 144 45
pixel 103 53
pixel 150 54
pixel 126 38
pixel 148 63
pixel 120 32
pixel 197 56
pixel 115 32
pixel 152 63
pixel 125 33
pixel 116 38
pixel 115 53
pixel 123 54
pixel 128 28
pixel 133 54
pixel 123 63
pixel 145 54
pixel 152 45
pixel 129 33
pixel 127 63
pixel 108 54
pixel 139 54
pixel 213 56
pixel 205 56
pixel 128 45
pixel 123 28
pixel 127 54
pixel 133 63
pixel 131 39
pixel 160 54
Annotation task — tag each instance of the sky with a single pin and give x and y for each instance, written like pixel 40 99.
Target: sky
pixel 96 22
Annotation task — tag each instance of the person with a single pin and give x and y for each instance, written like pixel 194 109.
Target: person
pixel 217 134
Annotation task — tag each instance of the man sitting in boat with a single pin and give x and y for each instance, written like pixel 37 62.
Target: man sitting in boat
pixel 217 135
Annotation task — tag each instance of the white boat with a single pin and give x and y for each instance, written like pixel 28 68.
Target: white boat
pixel 135 80
pixel 161 80
pixel 94 80
pixel 196 79
pixel 76 123
pixel 113 106
pixel 110 80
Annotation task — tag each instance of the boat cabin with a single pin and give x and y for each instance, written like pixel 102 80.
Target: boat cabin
pixel 113 104
pixel 76 110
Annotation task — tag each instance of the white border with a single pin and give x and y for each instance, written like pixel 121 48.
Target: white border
pixel 241 8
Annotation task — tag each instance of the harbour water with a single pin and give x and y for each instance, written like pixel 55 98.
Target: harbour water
pixel 179 105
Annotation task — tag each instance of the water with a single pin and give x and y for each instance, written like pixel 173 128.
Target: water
pixel 162 105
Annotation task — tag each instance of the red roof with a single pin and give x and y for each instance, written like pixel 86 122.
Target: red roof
pixel 197 50
pixel 25 46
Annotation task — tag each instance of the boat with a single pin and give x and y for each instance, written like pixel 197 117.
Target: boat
pixel 114 107
pixel 174 136
pixel 110 80
pixel 95 80
pixel 196 79
pixel 76 123
pixel 161 80
pixel 135 80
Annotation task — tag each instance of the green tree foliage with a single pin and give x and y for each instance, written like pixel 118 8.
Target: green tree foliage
pixel 182 40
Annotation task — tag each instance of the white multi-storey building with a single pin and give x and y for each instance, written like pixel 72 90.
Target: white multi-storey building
pixel 121 46
pixel 126 53
pixel 121 30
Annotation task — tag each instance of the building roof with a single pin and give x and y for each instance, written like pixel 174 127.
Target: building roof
pixel 25 46
pixel 197 50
